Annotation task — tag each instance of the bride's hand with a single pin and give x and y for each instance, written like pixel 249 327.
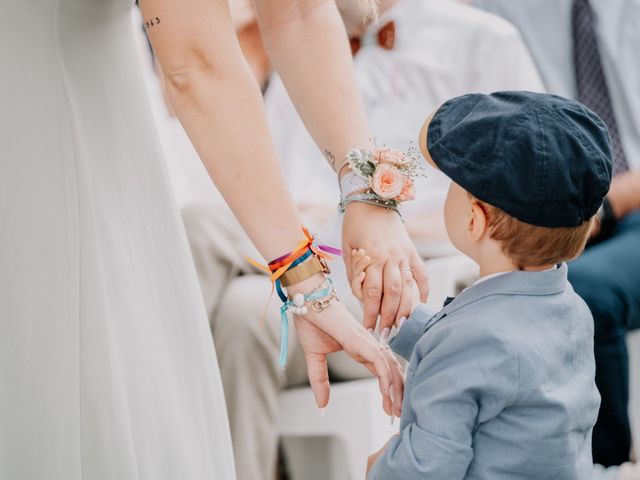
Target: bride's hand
pixel 396 266
pixel 335 329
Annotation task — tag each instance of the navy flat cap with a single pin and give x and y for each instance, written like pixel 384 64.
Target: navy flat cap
pixel 543 159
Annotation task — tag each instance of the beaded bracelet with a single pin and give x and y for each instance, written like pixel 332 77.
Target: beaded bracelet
pixel 319 298
pixel 306 249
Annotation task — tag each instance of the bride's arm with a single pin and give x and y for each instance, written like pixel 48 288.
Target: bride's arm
pixel 308 46
pixel 307 43
pixel 218 102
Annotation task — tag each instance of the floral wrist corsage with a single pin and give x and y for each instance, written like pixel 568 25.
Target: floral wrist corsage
pixel 389 175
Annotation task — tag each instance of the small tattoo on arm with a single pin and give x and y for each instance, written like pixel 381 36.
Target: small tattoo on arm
pixel 330 157
pixel 152 22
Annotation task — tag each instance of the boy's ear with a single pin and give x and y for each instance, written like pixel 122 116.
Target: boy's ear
pixel 478 222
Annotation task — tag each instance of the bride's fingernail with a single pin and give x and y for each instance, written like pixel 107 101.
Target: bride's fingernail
pixel 402 320
pixel 321 411
pixel 384 336
pixel 371 331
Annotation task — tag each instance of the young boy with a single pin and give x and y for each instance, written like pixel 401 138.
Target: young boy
pixel 500 383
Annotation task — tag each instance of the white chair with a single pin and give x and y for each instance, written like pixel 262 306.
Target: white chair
pixel 354 419
pixel 336 446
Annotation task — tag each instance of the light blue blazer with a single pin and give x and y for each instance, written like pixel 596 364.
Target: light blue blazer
pixel 500 385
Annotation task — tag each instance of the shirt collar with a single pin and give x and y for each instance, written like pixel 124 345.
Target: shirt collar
pixel 546 282
pixel 492 275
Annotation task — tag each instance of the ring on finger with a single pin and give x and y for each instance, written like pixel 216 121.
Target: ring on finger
pixel 408 279
pixel 409 270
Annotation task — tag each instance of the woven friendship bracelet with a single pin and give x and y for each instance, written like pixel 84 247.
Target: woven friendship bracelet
pixel 297 265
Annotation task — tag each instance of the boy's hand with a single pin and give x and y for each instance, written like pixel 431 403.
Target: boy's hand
pixel 373 458
pixel 360 261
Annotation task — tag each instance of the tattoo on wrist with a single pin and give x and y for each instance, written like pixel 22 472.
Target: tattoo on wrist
pixel 330 157
pixel 152 22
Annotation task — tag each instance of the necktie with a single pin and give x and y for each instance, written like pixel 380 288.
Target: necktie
pixel 385 38
pixel 590 80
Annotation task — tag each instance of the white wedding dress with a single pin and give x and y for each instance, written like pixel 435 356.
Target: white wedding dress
pixel 107 368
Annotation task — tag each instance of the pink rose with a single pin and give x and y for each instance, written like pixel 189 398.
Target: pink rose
pixel 387 181
pixel 408 191
pixel 388 156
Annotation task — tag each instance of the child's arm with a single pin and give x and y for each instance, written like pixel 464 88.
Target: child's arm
pixel 463 377
pixel 412 330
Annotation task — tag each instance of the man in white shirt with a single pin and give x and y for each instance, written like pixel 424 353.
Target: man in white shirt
pixel 590 51
pixel 439 49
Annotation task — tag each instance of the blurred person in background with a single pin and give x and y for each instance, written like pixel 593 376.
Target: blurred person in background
pixel 419 54
pixel 589 50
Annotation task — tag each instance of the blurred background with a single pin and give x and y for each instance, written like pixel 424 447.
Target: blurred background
pixel 415 56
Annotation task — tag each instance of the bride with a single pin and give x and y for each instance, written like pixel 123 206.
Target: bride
pixel 107 369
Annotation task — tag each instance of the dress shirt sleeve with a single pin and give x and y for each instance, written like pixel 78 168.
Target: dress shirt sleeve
pixel 466 376
pixel 412 329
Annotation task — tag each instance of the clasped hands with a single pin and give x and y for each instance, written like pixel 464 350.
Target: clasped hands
pixel 394 272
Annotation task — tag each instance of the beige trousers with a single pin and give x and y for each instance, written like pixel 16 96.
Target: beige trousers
pixel 235 296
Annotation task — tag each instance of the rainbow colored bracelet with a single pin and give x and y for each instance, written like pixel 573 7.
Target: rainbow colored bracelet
pixel 305 250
